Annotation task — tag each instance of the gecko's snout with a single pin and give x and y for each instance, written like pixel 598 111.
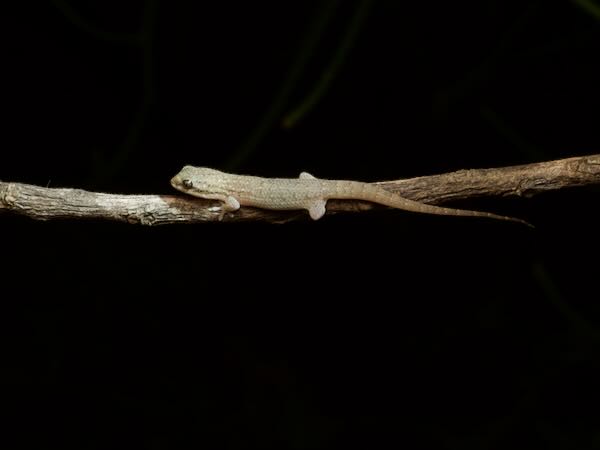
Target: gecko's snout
pixel 180 183
pixel 176 181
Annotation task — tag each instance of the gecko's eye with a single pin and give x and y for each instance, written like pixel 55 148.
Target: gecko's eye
pixel 187 183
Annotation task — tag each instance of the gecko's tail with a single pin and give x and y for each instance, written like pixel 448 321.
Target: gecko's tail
pixel 384 197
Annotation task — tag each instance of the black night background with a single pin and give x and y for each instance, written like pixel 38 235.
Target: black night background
pixel 377 330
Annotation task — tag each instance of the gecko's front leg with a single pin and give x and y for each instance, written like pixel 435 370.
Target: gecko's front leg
pixel 231 204
pixel 228 204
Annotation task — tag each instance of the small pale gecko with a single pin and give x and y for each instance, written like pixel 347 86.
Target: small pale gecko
pixel 305 192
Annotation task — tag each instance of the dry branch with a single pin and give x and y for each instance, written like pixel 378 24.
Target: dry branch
pixel 523 181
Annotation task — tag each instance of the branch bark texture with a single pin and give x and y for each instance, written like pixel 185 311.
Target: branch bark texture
pixel 521 181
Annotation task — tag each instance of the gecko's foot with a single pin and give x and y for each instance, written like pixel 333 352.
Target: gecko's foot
pixel 220 212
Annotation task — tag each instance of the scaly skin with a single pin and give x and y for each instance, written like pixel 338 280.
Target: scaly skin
pixel 305 192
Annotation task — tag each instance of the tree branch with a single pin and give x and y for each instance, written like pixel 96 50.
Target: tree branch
pixel 523 181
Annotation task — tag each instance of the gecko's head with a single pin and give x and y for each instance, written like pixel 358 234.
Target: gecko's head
pixel 197 180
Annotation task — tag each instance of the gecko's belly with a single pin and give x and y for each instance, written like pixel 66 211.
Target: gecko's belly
pixel 288 202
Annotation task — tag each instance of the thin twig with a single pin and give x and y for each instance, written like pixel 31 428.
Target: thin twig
pixel 522 181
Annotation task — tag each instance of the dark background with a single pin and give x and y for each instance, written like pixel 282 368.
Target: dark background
pixel 385 328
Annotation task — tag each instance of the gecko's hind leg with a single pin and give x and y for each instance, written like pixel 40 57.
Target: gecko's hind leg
pixel 317 209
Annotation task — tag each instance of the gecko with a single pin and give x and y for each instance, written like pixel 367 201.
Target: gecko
pixel 305 192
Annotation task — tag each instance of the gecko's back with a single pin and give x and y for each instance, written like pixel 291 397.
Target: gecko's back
pixel 305 192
